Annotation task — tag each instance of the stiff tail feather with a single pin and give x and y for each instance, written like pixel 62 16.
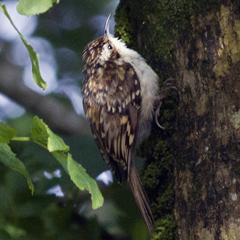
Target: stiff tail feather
pixel 140 197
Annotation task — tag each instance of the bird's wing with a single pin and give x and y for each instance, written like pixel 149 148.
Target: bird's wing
pixel 113 107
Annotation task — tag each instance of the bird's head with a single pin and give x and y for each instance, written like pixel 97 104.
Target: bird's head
pixel 106 48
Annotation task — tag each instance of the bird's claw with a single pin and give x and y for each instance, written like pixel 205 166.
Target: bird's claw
pixel 167 85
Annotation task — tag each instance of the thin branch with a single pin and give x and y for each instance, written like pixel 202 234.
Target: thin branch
pixel 55 115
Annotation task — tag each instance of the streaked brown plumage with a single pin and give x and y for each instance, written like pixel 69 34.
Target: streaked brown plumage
pixel 118 103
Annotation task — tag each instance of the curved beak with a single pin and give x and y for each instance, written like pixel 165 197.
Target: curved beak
pixel 106 29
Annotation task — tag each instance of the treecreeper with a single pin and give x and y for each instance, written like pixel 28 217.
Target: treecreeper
pixel 120 91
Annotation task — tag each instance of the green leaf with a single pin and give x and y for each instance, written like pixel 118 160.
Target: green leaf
pixel 30 7
pixel 62 159
pixel 55 143
pixel 83 181
pixel 43 135
pixel 8 158
pixel 6 133
pixel 34 57
pixel 39 132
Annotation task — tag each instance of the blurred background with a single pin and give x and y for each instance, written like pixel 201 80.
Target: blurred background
pixel 57 210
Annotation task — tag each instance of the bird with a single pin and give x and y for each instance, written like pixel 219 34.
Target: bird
pixel 119 93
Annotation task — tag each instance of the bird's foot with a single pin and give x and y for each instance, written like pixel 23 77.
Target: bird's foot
pixel 167 85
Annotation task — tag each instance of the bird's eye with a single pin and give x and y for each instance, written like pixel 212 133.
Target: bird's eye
pixel 110 47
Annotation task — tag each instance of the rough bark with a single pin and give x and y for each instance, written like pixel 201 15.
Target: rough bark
pixel 207 183
pixel 192 169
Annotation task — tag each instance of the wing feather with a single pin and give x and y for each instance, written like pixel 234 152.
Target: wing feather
pixel 114 113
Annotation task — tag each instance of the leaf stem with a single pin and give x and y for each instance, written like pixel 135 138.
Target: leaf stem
pixel 29 139
pixel 26 139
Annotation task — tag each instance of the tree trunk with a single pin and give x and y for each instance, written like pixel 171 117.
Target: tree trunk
pixel 207 202
pixel 192 169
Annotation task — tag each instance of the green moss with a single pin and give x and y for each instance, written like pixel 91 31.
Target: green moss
pixel 165 200
pixel 166 229
pixel 157 177
pixel 158 181
pixel 125 27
